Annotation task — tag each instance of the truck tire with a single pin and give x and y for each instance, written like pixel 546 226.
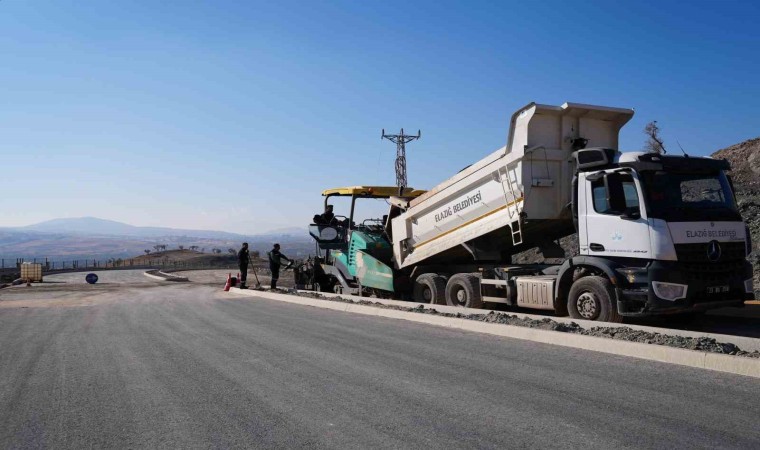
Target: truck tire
pixel 593 298
pixel 463 290
pixel 430 288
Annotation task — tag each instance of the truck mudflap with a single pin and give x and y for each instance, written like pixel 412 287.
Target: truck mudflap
pixel 703 292
pixel 372 273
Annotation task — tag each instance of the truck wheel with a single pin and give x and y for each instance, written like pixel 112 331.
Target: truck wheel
pixel 463 290
pixel 593 298
pixel 430 288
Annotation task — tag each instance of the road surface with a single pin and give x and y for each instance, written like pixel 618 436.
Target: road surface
pixel 148 364
pixel 732 321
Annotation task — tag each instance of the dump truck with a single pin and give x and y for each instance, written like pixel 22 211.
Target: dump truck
pixel 657 234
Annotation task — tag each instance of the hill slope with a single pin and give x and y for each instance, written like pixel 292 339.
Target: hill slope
pixel 745 165
pixel 745 171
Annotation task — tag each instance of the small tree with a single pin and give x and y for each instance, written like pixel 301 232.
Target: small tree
pixel 654 143
pixel 157 248
pixel 147 251
pixel 194 248
pixel 203 250
pixel 231 251
pixel 181 247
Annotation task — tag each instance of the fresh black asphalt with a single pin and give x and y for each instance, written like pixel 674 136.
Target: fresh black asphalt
pixel 186 366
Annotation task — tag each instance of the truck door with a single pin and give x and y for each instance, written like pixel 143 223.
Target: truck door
pixel 615 222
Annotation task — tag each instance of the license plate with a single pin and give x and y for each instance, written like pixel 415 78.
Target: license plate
pixel 717 289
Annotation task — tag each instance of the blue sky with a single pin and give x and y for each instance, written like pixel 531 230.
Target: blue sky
pixel 234 115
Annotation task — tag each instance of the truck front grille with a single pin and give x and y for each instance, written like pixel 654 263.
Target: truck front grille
pixel 730 251
pixel 694 259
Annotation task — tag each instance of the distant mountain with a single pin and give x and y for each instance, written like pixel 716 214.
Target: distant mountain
pixel 290 231
pixel 93 226
pixel 89 237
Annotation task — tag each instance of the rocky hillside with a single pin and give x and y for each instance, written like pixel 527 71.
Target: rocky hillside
pixel 745 172
pixel 745 165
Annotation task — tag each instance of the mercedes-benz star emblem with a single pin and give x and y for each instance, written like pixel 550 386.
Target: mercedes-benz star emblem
pixel 713 251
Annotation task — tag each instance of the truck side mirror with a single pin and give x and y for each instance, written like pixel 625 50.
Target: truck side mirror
pixel 613 183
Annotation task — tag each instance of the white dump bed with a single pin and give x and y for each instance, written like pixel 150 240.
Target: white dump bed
pixel 478 210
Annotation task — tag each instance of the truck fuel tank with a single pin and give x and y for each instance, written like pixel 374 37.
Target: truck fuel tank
pixel 535 291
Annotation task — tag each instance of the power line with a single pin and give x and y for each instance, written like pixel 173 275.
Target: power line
pixel 400 140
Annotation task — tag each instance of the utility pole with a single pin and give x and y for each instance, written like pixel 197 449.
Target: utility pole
pixel 400 140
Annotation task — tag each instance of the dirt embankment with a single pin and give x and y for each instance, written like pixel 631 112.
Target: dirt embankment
pixel 193 258
pixel 745 165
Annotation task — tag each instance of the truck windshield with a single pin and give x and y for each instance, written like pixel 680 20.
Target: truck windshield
pixel 689 196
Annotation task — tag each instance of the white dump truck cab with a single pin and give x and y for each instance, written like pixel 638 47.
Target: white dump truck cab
pixel 664 229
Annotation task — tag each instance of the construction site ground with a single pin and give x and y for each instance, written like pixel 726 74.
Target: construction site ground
pixel 136 362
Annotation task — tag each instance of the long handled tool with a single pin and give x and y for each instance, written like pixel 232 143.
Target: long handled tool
pixel 255 275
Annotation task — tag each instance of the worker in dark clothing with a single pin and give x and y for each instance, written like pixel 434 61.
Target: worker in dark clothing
pixel 275 261
pixel 243 258
pixel 328 216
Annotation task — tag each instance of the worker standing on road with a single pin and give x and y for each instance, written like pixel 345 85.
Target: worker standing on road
pixel 275 261
pixel 243 259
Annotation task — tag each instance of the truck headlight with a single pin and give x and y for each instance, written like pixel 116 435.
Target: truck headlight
pixel 749 288
pixel 669 291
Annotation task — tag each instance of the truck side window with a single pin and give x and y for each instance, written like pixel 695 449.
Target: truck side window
pixel 599 193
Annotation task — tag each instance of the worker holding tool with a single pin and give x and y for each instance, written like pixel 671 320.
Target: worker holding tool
pixel 275 261
pixel 243 259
